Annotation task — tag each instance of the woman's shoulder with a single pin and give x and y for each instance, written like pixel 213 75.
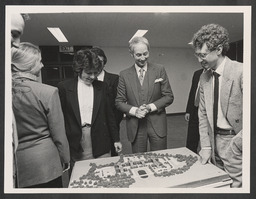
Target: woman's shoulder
pixel 43 88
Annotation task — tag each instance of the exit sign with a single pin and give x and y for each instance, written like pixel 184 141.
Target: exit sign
pixel 66 49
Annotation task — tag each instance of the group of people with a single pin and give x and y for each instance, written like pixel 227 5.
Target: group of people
pixel 79 120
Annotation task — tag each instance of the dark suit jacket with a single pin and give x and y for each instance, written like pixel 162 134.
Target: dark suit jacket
pixel 160 93
pixel 191 99
pixel 103 125
pixel 112 81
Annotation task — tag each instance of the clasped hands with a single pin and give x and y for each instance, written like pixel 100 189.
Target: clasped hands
pixel 142 111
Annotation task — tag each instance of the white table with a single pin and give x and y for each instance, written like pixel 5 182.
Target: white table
pixel 197 176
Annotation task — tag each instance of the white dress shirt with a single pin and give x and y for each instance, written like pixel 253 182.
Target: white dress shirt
pixel 101 76
pixel 85 99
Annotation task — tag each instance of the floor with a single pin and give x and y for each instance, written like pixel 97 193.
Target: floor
pixel 176 136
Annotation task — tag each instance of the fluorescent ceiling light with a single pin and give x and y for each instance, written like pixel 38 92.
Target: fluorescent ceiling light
pixel 139 33
pixel 58 34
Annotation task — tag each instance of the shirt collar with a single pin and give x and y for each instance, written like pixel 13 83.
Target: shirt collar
pixel 101 76
pixel 220 68
pixel 138 68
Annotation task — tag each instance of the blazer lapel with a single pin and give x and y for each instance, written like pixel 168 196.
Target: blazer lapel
pixel 133 80
pixel 106 77
pixel 151 80
pixel 73 96
pixel 96 100
pixel 226 86
pixel 208 98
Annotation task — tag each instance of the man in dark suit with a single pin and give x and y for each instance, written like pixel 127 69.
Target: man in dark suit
pixel 112 82
pixel 143 93
pixel 192 113
pixel 89 119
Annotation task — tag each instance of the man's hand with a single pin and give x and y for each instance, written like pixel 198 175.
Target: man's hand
pixel 205 155
pixel 146 108
pixel 66 166
pixel 187 116
pixel 140 113
pixel 118 146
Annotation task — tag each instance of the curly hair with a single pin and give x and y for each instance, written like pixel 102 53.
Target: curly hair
pixel 86 59
pixel 212 35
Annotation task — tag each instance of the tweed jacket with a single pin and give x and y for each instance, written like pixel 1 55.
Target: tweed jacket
pixel 231 99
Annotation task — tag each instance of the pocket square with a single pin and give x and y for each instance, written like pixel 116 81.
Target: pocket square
pixel 158 80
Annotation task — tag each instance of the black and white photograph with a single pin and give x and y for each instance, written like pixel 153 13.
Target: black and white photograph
pixel 127 99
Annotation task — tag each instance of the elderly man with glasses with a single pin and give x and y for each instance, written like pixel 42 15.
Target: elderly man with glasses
pixel 221 102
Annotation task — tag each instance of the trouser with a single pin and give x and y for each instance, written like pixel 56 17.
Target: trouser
pixel 86 143
pixel 193 136
pixel 228 156
pixel 146 132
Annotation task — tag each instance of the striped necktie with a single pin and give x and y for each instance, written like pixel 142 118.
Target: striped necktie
pixel 141 77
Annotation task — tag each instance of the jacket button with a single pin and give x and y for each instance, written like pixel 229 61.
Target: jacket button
pixel 237 121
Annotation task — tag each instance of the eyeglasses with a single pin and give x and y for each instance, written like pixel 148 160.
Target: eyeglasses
pixel 202 55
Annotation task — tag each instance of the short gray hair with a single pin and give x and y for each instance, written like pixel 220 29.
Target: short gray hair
pixel 137 40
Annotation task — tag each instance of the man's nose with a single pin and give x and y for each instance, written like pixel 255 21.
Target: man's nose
pixel 142 58
pixel 15 43
pixel 199 59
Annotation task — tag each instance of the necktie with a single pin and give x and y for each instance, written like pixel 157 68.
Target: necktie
pixel 216 98
pixel 141 76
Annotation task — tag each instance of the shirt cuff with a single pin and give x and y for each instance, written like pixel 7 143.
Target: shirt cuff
pixel 133 111
pixel 207 147
pixel 152 107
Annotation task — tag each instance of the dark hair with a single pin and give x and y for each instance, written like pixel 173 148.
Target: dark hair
pixel 100 53
pixel 85 59
pixel 212 35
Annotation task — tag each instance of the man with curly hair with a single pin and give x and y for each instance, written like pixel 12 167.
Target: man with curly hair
pixel 221 101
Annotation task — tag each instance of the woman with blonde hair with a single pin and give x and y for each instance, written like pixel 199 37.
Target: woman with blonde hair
pixel 43 151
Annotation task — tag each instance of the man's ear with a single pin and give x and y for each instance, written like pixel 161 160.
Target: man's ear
pixel 219 49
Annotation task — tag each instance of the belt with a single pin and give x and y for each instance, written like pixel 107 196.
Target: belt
pixel 224 132
pixel 86 125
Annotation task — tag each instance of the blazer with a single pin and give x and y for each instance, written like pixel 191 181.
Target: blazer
pixel 160 93
pixel 43 145
pixel 112 82
pixel 191 99
pixel 231 99
pixel 103 125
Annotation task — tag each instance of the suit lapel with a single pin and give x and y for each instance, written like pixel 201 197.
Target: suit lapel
pixel 133 80
pixel 226 86
pixel 73 96
pixel 151 81
pixel 96 100
pixel 106 77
